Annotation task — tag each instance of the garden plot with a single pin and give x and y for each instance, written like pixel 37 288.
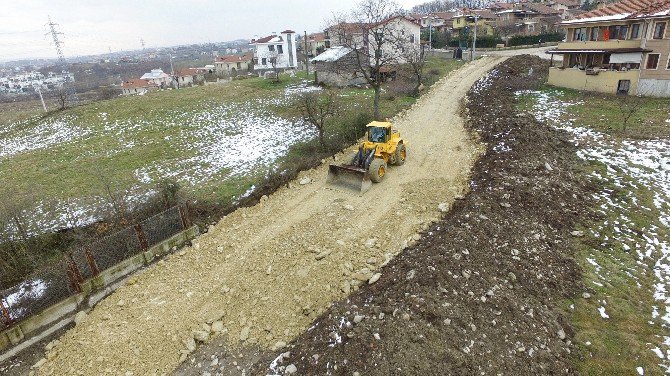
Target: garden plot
pixel 630 167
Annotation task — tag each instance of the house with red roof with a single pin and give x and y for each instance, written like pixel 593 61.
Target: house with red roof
pixel 275 51
pixel 621 48
pixel 137 86
pixel 186 77
pixel 233 65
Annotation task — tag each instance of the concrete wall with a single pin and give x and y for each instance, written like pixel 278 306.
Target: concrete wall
pixel 604 81
pixel 654 88
pixel 17 337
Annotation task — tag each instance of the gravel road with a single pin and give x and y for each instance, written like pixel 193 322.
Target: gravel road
pixel 262 274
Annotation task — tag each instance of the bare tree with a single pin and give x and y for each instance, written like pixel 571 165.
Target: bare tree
pixel 628 106
pixel 61 98
pixel 117 199
pixel 316 108
pixel 415 58
pixel 273 57
pixel 375 39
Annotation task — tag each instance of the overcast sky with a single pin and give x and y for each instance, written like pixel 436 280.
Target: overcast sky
pixel 92 27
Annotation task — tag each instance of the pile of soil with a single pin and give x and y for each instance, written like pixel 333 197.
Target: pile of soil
pixel 481 292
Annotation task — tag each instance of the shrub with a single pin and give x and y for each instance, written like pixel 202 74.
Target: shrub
pixel 520 40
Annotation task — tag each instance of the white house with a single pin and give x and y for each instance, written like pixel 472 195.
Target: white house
pixel 190 76
pixel 158 77
pixel 275 48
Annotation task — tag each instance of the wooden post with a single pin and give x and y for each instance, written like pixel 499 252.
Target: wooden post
pixel 90 260
pixel 7 318
pixel 141 236
pixel 72 272
pixel 182 215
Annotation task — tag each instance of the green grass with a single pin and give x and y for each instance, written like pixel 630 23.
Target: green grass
pixel 604 112
pixel 624 341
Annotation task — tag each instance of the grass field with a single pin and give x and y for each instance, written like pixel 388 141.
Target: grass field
pixel 218 141
pixel 623 328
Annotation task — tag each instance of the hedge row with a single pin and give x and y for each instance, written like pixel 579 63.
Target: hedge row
pixel 520 40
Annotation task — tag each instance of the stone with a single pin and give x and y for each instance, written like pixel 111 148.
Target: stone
pixel 358 318
pixel 505 205
pixel 306 180
pixel 349 207
pixel 80 317
pixel 214 363
pixel 561 334
pixel 370 243
pixel 466 274
pixel 291 369
pixel 375 277
pixel 121 303
pixel 39 363
pixel 577 233
pixel 201 335
pixel 443 207
pixel 377 337
pixel 447 321
pixel 217 326
pixel 548 167
pixel 322 255
pixel 586 295
pixel 244 333
pixel 190 344
pixel 279 345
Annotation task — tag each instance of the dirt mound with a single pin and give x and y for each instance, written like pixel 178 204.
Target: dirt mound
pixel 480 292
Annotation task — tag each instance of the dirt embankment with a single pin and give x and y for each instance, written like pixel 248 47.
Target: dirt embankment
pixel 262 275
pixel 480 292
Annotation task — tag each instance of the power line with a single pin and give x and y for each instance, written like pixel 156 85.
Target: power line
pixel 55 35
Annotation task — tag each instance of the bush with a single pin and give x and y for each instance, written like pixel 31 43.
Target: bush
pixel 483 41
pixel 520 40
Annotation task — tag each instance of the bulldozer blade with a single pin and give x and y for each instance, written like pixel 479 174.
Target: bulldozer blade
pixel 349 177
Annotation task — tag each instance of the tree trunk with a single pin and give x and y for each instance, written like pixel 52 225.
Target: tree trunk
pixel 321 138
pixel 376 103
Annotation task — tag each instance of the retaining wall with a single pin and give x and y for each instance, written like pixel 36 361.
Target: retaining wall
pixel 14 339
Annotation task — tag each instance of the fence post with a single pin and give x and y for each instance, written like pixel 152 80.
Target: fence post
pixel 73 274
pixel 7 318
pixel 182 215
pixel 91 262
pixel 141 237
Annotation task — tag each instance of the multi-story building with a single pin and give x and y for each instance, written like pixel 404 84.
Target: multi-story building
pixel 620 48
pixel 275 52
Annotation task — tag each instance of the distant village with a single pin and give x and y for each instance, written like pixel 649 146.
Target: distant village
pixel 17 81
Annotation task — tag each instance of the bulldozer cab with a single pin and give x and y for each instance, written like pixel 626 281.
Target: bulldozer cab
pixel 379 132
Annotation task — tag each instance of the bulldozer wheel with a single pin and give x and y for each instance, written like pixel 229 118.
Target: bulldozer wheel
pixel 377 170
pixel 400 155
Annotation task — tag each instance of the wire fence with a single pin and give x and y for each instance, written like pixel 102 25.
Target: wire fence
pixel 57 281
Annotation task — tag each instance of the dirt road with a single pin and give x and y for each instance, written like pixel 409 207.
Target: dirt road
pixel 262 274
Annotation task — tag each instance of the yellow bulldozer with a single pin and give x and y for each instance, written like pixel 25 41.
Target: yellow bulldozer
pixel 383 146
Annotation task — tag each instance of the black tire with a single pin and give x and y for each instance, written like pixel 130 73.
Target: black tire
pixel 377 170
pixel 400 155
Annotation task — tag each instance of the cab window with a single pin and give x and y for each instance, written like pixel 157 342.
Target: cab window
pixel 376 134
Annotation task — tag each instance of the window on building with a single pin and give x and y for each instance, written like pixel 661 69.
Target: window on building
pixel 618 32
pixel 412 39
pixel 239 65
pixel 652 61
pixel 579 34
pixel 264 61
pixel 659 30
pixel 668 65
pixel 594 33
pixel 635 31
pixel 280 49
pixel 271 47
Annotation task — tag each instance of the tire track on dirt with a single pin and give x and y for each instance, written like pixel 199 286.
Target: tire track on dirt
pixel 264 273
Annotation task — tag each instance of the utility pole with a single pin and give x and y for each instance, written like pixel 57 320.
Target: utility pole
pixel 306 55
pixel 142 43
pixel 71 94
pixel 39 91
pixel 474 40
pixel 430 32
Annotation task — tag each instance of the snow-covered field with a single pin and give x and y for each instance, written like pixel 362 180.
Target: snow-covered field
pixel 205 142
pixel 630 165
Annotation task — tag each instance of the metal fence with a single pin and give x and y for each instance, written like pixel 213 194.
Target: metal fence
pixel 55 282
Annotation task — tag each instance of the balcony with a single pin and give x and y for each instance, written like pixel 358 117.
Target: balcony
pixel 600 45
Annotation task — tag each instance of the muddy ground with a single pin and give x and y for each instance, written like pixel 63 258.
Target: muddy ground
pixel 481 292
